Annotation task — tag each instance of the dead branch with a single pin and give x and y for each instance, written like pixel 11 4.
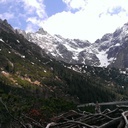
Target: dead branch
pixel 50 124
pixel 122 106
pixel 83 124
pixel 54 125
pixel 114 122
pixel 105 119
pixel 29 125
pixel 6 108
pixel 67 116
pixel 122 124
pixel 36 123
pixel 125 115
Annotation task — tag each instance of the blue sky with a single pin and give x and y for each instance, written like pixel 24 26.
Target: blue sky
pixel 54 6
pixel 83 19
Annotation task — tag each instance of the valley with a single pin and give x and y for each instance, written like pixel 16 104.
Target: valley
pixel 37 81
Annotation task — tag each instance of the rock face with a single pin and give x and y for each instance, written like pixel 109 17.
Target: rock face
pixel 114 46
pixel 109 51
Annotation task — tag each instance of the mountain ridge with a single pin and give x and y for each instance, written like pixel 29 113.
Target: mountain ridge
pixel 103 52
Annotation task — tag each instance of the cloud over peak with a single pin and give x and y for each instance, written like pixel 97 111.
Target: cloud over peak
pixel 92 19
pixel 75 4
pixel 83 19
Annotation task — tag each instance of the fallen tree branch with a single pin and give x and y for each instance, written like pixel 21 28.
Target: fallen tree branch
pixel 109 124
pixel 54 125
pixel 125 115
pixel 122 124
pixel 106 119
pixel 50 124
pixel 36 123
pixel 6 108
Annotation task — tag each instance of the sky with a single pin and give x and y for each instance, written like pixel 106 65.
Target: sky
pixel 75 19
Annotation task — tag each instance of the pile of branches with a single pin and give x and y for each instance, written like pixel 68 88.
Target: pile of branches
pixel 106 119
pixel 117 118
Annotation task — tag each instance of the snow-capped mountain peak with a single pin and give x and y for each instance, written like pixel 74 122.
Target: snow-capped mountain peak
pixel 103 52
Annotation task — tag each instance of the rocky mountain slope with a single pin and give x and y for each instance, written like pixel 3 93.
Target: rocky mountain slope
pixel 113 47
pixel 107 51
pixel 58 47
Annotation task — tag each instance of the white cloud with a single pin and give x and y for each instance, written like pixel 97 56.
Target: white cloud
pixel 25 13
pixel 33 20
pixel 84 19
pixel 91 21
pixel 75 4
pixel 7 16
pixel 32 6
pixel 29 27
pixel 2 1
pixel 35 13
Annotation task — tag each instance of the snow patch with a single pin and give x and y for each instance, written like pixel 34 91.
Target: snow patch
pixel 1 40
pixel 22 56
pixel 53 54
pixel 118 44
pixel 45 71
pixel 75 58
pixel 18 41
pixel 32 63
pixel 103 59
pixel 123 72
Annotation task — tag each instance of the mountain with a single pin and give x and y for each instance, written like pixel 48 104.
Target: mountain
pixel 112 48
pixel 109 51
pixel 34 85
pixel 72 51
pixel 24 63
